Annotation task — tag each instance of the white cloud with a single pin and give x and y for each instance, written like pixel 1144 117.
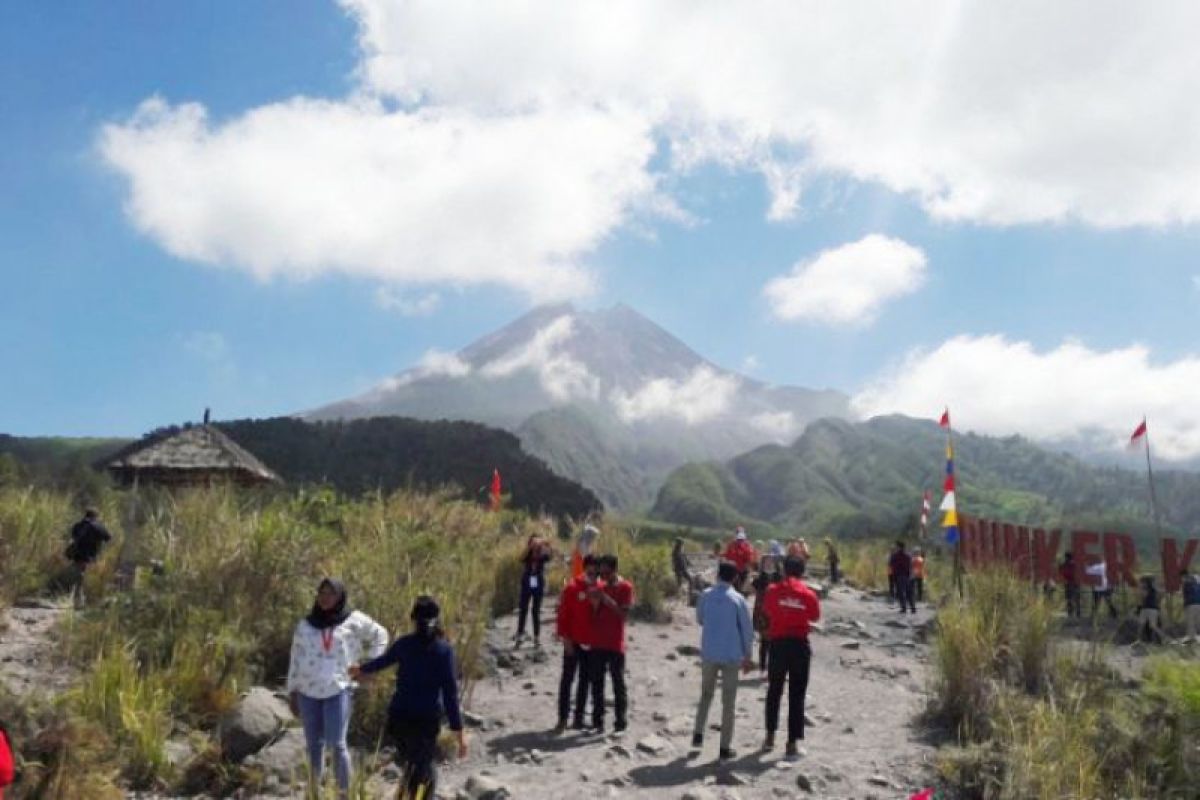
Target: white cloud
pixel 998 113
pixel 437 362
pixel 563 377
pixel 304 187
pixel 998 386
pixel 211 346
pixel 751 363
pixel 847 285
pixel 780 426
pixel 703 395
pixel 391 299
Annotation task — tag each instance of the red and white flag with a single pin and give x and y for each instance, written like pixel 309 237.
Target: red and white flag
pixel 925 511
pixel 945 420
pixel 1139 434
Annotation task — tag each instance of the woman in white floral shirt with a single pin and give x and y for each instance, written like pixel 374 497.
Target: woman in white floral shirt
pixel 326 643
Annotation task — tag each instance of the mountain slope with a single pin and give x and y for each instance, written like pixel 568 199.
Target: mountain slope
pixel 867 478
pixel 605 397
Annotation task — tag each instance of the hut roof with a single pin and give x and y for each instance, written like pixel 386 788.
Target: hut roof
pixel 201 448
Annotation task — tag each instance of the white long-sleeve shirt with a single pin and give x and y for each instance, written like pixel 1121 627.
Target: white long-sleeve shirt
pixel 1101 571
pixel 321 658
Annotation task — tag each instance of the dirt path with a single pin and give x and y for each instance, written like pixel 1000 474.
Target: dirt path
pixel 27 648
pixel 868 678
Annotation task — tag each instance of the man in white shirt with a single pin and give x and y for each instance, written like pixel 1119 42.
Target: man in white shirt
pixel 1102 590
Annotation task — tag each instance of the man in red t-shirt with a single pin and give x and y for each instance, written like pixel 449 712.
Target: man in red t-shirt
pixel 790 608
pixel 575 630
pixel 611 598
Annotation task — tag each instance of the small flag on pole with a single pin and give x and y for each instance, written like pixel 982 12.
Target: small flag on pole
pixel 924 513
pixel 494 493
pixel 1139 434
pixel 949 504
pixel 945 420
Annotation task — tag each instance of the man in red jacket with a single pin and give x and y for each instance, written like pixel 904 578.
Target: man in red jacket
pixel 611 598
pixel 741 554
pixel 790 608
pixel 575 630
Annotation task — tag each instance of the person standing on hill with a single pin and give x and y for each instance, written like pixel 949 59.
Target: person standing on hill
pixel 426 687
pixel 918 577
pixel 741 554
pixel 1148 612
pixel 533 586
pixel 88 537
pixel 575 630
pixel 611 599
pixel 791 608
pixel 1101 591
pixel 324 646
pixel 834 562
pixel 1069 576
pixel 726 641
pixel 1191 603
pixel 900 565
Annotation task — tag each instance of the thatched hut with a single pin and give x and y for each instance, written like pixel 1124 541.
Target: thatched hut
pixel 195 456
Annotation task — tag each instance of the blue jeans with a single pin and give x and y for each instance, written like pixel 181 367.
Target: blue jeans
pixel 325 723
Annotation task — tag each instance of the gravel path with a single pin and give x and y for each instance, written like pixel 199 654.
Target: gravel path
pixel 867 687
pixel 27 647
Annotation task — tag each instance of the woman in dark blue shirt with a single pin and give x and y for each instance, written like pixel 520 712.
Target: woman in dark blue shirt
pixel 426 687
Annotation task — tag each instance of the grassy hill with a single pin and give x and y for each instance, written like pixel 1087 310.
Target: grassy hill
pixel 862 479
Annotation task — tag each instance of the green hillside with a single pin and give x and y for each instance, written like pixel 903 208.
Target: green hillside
pixel 860 479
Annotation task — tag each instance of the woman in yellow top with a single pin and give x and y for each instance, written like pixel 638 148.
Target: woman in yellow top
pixel 918 575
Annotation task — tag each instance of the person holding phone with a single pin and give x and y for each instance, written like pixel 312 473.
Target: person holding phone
pixel 611 598
pixel 533 586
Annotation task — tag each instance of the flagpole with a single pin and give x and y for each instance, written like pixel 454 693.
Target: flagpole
pixel 958 578
pixel 1150 480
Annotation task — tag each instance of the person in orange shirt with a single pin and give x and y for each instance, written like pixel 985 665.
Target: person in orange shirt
pixel 918 575
pixel 790 607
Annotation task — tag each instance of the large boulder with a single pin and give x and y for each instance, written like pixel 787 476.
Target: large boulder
pixel 251 725
pixel 285 758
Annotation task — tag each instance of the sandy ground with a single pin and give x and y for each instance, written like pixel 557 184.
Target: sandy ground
pixel 27 648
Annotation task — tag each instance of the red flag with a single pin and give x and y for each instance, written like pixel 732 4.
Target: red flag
pixel 494 494
pixel 948 484
pixel 1138 433
pixel 945 420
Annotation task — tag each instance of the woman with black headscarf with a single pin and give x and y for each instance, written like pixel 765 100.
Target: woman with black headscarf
pixel 426 688
pixel 326 643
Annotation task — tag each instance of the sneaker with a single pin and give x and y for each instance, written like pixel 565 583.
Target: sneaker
pixel 727 754
pixel 769 743
pixel 697 741
pixel 792 752
pixel 598 727
pixel 620 725
pixel 578 725
pixel 560 728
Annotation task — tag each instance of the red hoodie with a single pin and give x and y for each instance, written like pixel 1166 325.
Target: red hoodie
pixel 6 762
pixel 575 613
pixel 790 607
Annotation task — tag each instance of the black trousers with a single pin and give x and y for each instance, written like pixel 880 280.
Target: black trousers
pixel 764 651
pixel 416 748
pixel 574 671
pixel 612 663
pixel 1074 605
pixel 1105 596
pixel 904 592
pixel 790 660
pixel 529 595
pixel 892 586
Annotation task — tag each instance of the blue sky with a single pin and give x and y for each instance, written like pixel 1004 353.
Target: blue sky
pixel 132 300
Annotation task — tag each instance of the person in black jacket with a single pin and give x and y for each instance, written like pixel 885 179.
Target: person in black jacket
pixel 426 687
pixel 88 537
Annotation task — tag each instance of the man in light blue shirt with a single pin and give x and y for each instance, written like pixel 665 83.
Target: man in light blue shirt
pixel 726 643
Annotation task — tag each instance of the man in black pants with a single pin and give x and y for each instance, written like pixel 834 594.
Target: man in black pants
pixel 901 564
pixel 88 537
pixel 791 608
pixel 610 601
pixel 575 630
